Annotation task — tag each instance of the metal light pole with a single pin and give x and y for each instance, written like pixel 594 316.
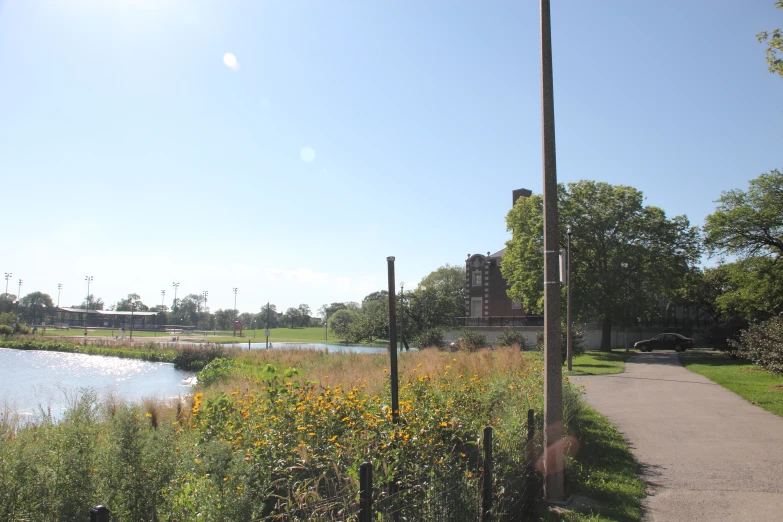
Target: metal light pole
pixel 87 313
pixel 235 303
pixel 163 298
pixel 393 341
pixel 175 285
pixel 59 289
pixel 133 305
pixel 8 275
pixel 402 315
pixel 553 372
pixel 19 291
pixel 569 338
pixel 326 327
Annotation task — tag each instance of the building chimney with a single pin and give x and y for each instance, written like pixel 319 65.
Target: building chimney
pixel 520 193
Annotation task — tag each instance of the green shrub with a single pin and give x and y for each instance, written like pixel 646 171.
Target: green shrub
pixel 430 338
pixel 6 330
pixel 577 341
pixel 472 341
pixel 763 344
pixel 217 370
pixel 511 337
pixel 195 359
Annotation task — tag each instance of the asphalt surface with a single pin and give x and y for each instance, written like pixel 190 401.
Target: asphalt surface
pixel 706 454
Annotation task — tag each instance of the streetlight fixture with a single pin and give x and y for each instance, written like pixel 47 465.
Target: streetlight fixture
pixel 569 335
pixel 163 298
pixel 235 303
pixel 8 276
pixel 89 279
pixel 59 289
pixel 175 285
pixel 19 291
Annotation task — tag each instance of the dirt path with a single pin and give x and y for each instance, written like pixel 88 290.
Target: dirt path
pixel 706 453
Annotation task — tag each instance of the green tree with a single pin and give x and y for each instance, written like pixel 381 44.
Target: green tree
pixel 35 306
pixel 340 321
pixel 124 305
pixel 625 256
pixel 293 317
pixel 438 299
pixel 224 319
pixel 91 302
pixel 269 316
pixel 774 41
pixel 748 224
pixel 305 313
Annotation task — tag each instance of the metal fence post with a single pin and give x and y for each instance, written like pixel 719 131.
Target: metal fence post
pixel 486 500
pixel 365 493
pixel 100 514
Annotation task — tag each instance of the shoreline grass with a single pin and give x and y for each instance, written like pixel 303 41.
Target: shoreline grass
pixel 746 379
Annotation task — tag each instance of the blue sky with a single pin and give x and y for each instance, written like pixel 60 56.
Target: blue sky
pixel 347 132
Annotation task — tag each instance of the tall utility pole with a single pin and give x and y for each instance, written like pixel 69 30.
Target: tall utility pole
pixel 19 291
pixel 8 275
pixel 59 289
pixel 569 335
pixel 163 298
pixel 175 285
pixel 553 373
pixel 235 303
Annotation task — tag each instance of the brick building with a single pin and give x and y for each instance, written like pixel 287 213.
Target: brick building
pixel 487 303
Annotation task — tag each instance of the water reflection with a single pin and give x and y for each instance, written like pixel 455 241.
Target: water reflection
pixel 33 381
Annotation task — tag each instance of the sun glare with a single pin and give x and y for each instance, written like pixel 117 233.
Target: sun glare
pixel 231 61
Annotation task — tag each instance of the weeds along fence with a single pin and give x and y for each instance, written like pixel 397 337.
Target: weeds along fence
pixel 493 478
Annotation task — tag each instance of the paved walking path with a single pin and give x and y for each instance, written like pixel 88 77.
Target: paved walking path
pixel 706 453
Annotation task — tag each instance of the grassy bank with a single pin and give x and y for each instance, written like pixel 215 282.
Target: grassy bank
pixel 602 470
pixel 600 363
pixel 281 335
pixel 184 357
pixel 746 379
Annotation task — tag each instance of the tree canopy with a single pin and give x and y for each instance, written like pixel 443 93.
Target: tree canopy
pixel 625 255
pixel 774 41
pixel 748 224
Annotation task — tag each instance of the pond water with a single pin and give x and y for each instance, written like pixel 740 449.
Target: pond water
pixel 31 380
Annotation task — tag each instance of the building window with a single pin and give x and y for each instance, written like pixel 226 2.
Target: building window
pixel 516 305
pixel 476 278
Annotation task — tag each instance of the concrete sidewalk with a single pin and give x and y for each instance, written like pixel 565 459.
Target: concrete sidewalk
pixel 706 453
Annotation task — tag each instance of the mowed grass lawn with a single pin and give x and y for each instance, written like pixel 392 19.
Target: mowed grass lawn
pixel 600 363
pixel 752 383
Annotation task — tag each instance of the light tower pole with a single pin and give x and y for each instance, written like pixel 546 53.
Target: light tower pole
pixel 163 298
pixel 235 303
pixel 8 275
pixel 175 285
pixel 59 289
pixel 19 291
pixel 87 313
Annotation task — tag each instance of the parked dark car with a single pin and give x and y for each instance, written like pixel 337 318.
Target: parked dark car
pixel 665 341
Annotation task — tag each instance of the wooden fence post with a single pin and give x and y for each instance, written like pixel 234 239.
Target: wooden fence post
pixel 365 493
pixel 486 501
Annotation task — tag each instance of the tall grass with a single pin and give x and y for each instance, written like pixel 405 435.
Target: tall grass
pixel 276 433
